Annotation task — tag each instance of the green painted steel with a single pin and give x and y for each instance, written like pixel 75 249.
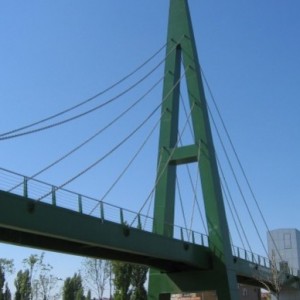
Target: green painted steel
pixel 181 37
pixel 26 222
pixel 176 265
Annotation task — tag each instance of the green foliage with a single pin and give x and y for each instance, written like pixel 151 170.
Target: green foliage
pixel 89 295
pixel 7 293
pixel 2 281
pixel 73 288
pixel 138 279
pixel 126 276
pixel 122 279
pixel 31 263
pixel 22 284
pixel 6 266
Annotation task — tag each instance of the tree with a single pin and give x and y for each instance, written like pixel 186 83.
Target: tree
pixel 42 282
pixel 7 293
pixel 31 262
pixel 23 286
pixel 122 279
pixel 275 280
pixel 2 281
pixel 89 295
pixel 138 279
pixel 45 283
pixel 96 274
pixel 73 288
pixel 6 266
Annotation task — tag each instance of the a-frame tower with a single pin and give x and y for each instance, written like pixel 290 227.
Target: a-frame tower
pixel 221 277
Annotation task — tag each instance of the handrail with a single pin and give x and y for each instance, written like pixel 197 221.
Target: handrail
pixel 35 189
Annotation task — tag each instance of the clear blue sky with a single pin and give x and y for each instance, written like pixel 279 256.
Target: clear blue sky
pixel 53 54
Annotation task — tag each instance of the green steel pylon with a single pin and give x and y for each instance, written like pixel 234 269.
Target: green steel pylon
pixel 222 276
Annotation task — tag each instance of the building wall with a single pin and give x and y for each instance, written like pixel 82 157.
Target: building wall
pixel 246 293
pixel 249 292
pixel 287 242
pixel 210 295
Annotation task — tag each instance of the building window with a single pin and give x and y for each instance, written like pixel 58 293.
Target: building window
pixel 287 240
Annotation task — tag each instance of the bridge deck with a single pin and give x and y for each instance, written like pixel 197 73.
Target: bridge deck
pixel 27 222
pixel 24 221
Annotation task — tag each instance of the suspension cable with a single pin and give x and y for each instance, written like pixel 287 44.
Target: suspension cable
pixel 194 203
pixel 181 204
pixel 94 135
pixel 228 190
pixel 238 184
pixel 189 171
pixel 88 111
pixel 227 195
pixel 128 165
pixel 152 197
pixel 163 100
pixel 87 100
pixel 235 177
pixel 106 155
pixel 166 164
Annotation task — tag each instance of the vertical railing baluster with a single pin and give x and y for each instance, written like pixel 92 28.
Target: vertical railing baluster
pixel 102 211
pixel 121 216
pixel 80 203
pixel 53 195
pixel 202 240
pixel 25 187
pixel 139 221
pixel 193 237
pixel 181 234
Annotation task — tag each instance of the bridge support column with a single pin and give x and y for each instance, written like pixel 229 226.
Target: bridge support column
pixel 181 50
pixel 196 281
pixel 164 297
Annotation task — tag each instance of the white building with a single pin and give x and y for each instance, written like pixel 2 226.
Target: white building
pixel 284 248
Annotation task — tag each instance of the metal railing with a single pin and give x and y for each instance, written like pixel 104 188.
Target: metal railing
pixel 41 191
pixel 251 257
pixel 265 262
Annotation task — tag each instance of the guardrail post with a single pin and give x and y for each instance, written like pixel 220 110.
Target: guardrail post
pixel 233 250
pixel 121 216
pixel 25 187
pixel 102 211
pixel 80 203
pixel 53 194
pixel 193 237
pixel 139 221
